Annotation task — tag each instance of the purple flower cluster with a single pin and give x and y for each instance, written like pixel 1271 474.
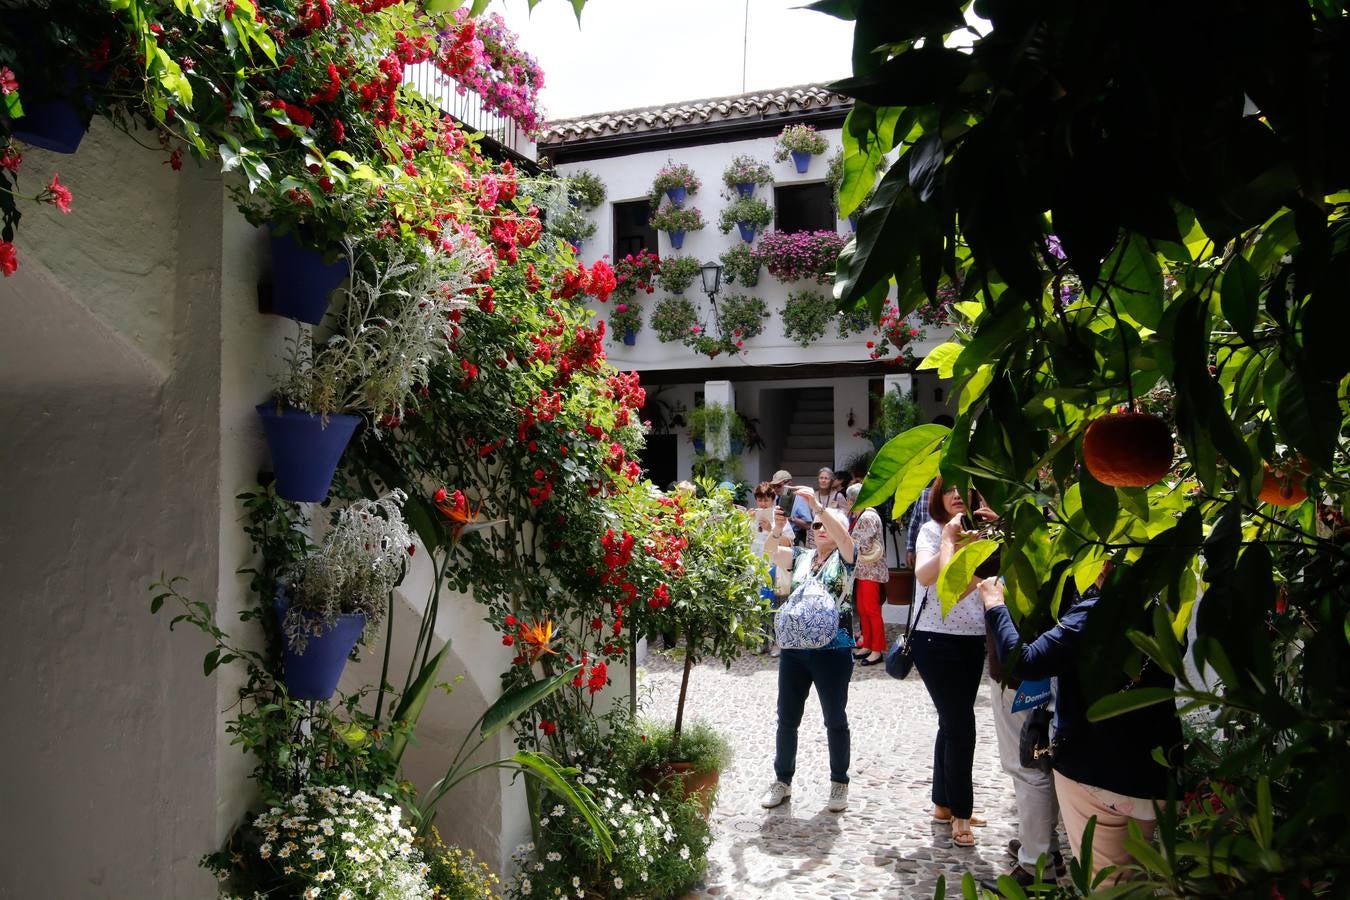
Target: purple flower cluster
pixel 799 255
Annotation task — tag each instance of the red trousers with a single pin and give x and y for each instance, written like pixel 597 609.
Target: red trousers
pixel 869 615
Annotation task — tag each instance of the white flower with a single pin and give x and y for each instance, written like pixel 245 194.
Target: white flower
pixel 265 851
pixel 644 874
pixel 684 851
pixel 576 881
pixel 539 867
pixel 311 893
pixel 325 875
pixel 618 883
pixel 525 885
pixel 554 856
pixel 349 836
pixel 557 810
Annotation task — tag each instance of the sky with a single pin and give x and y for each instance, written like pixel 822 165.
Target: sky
pixel 631 53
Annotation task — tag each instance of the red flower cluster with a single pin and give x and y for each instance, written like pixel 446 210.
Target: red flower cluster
pixel 9 260
pixel 638 273
pixel 598 282
pixel 660 597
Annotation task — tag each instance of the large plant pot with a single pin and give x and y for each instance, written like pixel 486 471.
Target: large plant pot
pixel 746 189
pixel 801 160
pixel 305 449
pixel 301 281
pixel 676 239
pixel 701 784
pixel 747 231
pixel 900 587
pixel 629 337
pixel 51 119
pixel 314 674
pixel 677 195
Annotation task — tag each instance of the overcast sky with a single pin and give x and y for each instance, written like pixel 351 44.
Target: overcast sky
pixel 643 52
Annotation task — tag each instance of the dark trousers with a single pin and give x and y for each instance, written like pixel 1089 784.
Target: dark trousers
pixel 951 667
pixel 829 671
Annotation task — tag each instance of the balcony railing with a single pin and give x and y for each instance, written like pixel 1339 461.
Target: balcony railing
pixel 468 108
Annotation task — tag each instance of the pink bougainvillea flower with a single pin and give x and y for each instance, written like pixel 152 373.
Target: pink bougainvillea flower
pixel 58 194
pixel 8 82
pixel 9 260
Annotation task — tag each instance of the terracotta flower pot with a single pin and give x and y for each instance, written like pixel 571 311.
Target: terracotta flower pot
pixel 900 587
pixel 702 784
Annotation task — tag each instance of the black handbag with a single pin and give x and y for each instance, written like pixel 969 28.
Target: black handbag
pixel 1035 749
pixel 900 658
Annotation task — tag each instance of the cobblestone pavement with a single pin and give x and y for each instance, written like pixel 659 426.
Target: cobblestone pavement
pixel 885 844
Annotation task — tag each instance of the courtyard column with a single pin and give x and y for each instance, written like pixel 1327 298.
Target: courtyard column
pixel 719 442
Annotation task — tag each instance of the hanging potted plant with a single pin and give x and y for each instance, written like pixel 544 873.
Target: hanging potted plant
pixel 806 315
pixel 677 273
pixel 800 142
pixel 744 173
pixel 394 322
pixel 671 319
pixel 571 224
pixel 636 273
pixel 899 335
pixel 799 255
pixel 326 603
pixel 747 214
pixel 677 222
pixel 585 190
pixel 626 321
pixel 741 265
pixel 677 182
pixel 741 317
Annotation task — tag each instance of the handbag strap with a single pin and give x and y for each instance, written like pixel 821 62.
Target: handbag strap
pixel 910 618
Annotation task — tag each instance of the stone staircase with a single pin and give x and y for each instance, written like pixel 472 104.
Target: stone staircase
pixel 809 443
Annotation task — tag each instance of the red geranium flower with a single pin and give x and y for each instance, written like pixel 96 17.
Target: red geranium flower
pixel 9 260
pixel 58 194
pixel 8 82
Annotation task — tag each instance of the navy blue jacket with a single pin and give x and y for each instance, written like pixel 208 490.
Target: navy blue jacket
pixel 1116 753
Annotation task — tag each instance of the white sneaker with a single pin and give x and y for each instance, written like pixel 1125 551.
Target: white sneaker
pixel 775 795
pixel 838 797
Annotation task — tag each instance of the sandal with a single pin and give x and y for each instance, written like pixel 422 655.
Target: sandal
pixel 964 838
pixel 943 816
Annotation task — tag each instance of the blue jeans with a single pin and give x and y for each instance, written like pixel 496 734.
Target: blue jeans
pixel 829 670
pixel 951 666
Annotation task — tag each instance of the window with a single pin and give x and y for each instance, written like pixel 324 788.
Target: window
pixel 632 234
pixel 803 207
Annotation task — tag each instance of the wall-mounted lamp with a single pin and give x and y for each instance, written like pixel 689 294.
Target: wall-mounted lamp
pixel 850 418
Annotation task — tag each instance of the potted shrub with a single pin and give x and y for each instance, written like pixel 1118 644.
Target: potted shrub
pixel 800 142
pixel 677 273
pixel 744 173
pixel 677 182
pixel 585 190
pixel 898 332
pixel 676 222
pixel 626 321
pixel 711 418
pixel 697 759
pixel 672 318
pixel 746 213
pixel 741 317
pixel 801 255
pixel 806 315
pixel 394 323
pixel 326 603
pixel 741 265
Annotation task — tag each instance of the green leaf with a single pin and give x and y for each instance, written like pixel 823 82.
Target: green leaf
pixel 900 464
pixel 954 580
pixel 409 708
pixel 1239 296
pixel 1100 505
pixel 1137 286
pixel 511 705
pixel 13 108
pixel 1128 701
pixel 1309 415
pixel 557 779
pixel 883 245
pixel 942 358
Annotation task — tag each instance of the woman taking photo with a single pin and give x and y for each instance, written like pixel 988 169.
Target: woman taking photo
pixel 870 573
pixel 949 656
pixel 829 668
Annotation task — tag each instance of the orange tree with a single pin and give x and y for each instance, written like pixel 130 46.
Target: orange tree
pixel 1145 208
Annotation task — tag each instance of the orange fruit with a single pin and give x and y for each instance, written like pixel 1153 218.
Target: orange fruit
pixel 1282 488
pixel 1129 449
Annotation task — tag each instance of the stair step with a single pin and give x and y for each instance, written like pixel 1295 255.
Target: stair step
pixel 826 420
pixel 808 442
pixel 811 428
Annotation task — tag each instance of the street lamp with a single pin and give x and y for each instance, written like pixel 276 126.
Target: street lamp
pixel 712 278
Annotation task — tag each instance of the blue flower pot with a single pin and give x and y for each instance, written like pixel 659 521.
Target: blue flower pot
pixel 301 281
pixel 305 449
pixel 314 674
pixel 677 195
pixel 576 244
pixel 676 239
pixel 698 445
pixel 747 231
pixel 801 160
pixel 51 120
pixel 737 447
pixel 630 337
pixel 746 189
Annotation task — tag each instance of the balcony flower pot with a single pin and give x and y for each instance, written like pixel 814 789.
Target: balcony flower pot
pixel 801 160
pixel 677 195
pixel 52 121
pixel 676 239
pixel 313 674
pixel 301 281
pixel 305 449
pixel 900 587
pixel 746 189
pixel 629 337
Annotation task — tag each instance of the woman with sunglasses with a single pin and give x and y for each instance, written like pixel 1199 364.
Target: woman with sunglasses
pixel 949 653
pixel 830 562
